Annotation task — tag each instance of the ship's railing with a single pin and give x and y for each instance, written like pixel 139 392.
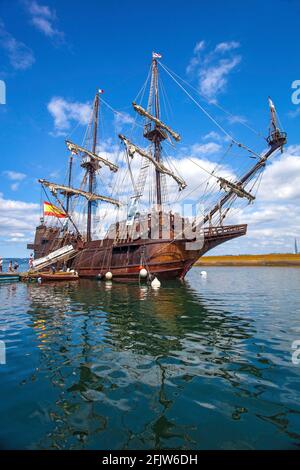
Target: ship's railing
pixel 227 229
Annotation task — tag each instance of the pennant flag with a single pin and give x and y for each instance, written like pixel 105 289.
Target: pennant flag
pixel 53 211
pixel 101 91
pixel 155 55
pixel 271 104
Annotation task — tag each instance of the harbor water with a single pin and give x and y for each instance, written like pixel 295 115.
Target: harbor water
pixel 204 364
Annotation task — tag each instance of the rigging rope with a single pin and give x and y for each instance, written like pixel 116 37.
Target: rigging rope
pixel 214 103
pixel 208 115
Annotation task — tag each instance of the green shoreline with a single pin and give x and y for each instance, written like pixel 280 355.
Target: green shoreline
pixel 276 259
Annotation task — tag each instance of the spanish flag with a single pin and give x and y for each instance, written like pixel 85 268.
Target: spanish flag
pixel 53 211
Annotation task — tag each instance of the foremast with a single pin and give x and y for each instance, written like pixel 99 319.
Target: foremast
pixel 91 162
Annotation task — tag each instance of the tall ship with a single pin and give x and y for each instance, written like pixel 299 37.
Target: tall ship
pixel 131 224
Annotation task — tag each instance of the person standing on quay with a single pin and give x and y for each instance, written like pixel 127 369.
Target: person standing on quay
pixel 30 262
pixel 1 264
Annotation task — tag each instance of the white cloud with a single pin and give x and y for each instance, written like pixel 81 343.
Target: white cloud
pixel 212 68
pixel 43 18
pixel 199 46
pixel 213 135
pixel 17 219
pixel 17 235
pixel 20 56
pixel 281 180
pixel 195 59
pixel 236 119
pixel 35 9
pixel 295 113
pixel 209 148
pixel 213 79
pixel 16 177
pixel 65 112
pixel 15 186
pixel 122 119
pixel 227 46
pixel 274 218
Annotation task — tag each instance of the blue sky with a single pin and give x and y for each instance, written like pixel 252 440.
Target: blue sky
pixel 54 54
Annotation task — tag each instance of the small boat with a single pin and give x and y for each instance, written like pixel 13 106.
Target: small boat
pixel 59 276
pixel 4 277
pixel 49 276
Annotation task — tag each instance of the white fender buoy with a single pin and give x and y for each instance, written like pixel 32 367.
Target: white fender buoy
pixel 143 273
pixel 203 274
pixel 155 284
pixel 108 276
pixel 39 279
pixel 99 276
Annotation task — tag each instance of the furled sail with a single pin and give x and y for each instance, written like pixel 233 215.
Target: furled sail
pixel 132 149
pixel 235 188
pixel 74 148
pixel 77 192
pixel 145 113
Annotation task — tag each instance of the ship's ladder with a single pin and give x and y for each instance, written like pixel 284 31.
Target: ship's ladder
pixel 62 254
pixel 142 179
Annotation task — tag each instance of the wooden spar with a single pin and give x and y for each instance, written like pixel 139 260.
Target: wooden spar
pixel 158 165
pixel 140 110
pixel 76 149
pixel 77 192
pixel 276 144
pixel 67 213
pixel 236 188
pixel 69 182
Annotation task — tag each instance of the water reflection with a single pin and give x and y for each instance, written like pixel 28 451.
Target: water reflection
pixel 109 350
pixel 124 366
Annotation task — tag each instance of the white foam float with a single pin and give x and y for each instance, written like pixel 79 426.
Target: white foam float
pixel 143 273
pixel 155 284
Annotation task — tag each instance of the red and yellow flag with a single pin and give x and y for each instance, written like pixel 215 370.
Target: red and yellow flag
pixel 53 211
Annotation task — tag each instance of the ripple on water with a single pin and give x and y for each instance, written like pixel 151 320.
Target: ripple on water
pixel 204 364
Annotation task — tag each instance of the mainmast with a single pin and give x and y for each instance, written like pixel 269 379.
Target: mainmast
pixel 155 131
pixel 91 167
pixel 158 136
pixel 155 134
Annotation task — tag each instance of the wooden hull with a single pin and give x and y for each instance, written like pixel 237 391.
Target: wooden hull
pixel 58 277
pixel 166 258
